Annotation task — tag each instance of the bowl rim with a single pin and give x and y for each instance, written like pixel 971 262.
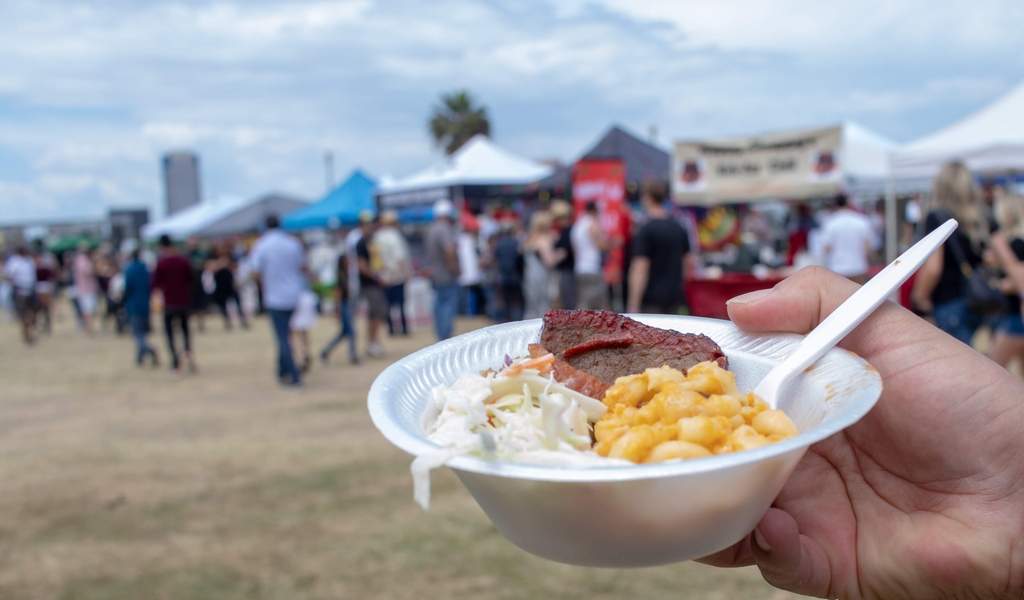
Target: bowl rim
pixel 416 445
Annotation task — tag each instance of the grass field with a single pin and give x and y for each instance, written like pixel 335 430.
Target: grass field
pixel 120 483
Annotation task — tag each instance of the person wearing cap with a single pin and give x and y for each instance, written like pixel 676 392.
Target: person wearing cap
pixel 443 263
pixel 393 250
pixel 279 261
pixel 371 286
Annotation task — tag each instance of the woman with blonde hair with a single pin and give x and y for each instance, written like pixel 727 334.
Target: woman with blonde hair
pixel 939 287
pixel 1009 335
pixel 539 257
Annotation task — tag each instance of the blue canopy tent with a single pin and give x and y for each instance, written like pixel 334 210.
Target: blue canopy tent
pixel 339 208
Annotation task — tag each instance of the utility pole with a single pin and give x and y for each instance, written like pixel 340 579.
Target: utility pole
pixel 329 169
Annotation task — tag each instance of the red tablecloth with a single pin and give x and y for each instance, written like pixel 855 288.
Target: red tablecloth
pixel 707 297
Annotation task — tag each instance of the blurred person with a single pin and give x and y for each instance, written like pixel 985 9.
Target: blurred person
pixel 303 319
pixel 921 498
pixel 371 286
pixel 343 305
pixel 110 296
pixel 588 242
pixel 351 239
pixel 509 261
pixel 912 220
pixel 470 275
pixel 174 278
pixel 491 281
pixel 20 272
pixel 561 212
pixel 137 292
pixel 1008 343
pixel 225 290
pixel 46 287
pixel 86 287
pixel 278 260
pixel 661 253
pixel 799 228
pixel 440 247
pixel 848 240
pixel 197 256
pixel 7 312
pixel 877 218
pixel 395 267
pixel 539 258
pixel 938 287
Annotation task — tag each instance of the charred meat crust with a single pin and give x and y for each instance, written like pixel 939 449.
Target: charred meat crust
pixel 607 345
pixel 574 379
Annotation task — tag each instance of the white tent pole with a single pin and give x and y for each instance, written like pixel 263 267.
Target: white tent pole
pixel 891 233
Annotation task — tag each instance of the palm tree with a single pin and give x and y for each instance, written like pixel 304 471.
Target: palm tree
pixel 456 120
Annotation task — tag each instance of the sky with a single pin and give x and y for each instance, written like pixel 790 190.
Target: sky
pixel 92 94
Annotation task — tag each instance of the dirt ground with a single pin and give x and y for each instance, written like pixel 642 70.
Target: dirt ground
pixel 121 483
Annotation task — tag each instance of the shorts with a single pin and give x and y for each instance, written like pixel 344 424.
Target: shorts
pixel 24 304
pixel 1011 324
pixel 591 291
pixel 87 303
pixel 375 300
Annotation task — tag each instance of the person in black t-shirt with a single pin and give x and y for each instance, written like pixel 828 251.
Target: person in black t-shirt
pixel 660 254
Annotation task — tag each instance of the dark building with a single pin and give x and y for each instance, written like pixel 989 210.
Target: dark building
pixel 126 223
pixel 181 180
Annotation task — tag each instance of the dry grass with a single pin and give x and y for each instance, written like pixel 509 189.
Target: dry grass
pixel 120 483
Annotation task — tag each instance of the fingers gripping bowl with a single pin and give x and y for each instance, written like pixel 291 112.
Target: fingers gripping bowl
pixel 640 514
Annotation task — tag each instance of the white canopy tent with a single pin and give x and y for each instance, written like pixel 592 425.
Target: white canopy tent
pixel 194 218
pixel 991 140
pixel 478 162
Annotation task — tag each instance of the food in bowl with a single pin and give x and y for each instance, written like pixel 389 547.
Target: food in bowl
pixel 666 414
pixel 599 389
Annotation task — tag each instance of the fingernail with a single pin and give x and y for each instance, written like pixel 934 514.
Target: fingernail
pixel 749 297
pixel 761 542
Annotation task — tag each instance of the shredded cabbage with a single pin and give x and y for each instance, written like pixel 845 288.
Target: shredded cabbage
pixel 525 417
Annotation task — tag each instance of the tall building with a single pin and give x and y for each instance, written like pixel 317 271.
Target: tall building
pixel 181 180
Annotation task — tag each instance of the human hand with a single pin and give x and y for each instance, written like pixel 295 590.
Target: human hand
pixel 924 497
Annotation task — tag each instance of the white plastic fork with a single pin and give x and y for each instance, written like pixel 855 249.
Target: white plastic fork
pixel 857 307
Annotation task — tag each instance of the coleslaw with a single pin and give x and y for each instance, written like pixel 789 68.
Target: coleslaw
pixel 518 414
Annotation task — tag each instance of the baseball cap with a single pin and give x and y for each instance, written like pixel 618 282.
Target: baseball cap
pixel 366 216
pixel 388 217
pixel 560 208
pixel 444 208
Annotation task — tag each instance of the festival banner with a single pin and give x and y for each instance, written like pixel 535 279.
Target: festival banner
pixel 790 165
pixel 603 182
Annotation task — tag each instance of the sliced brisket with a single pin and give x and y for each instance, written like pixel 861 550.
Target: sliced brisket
pixel 607 345
pixel 574 379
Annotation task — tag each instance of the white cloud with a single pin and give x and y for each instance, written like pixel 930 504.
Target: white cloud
pixel 92 95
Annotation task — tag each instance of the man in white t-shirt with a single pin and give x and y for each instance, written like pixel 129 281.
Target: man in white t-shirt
pixel 588 241
pixel 20 271
pixel 847 238
pixel 279 261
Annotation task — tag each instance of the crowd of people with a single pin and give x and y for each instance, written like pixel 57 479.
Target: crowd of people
pixel 500 264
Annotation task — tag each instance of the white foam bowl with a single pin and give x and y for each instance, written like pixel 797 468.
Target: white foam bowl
pixel 631 516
